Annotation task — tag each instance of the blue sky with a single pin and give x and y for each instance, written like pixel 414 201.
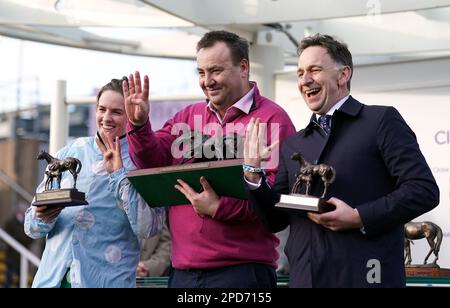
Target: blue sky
pixel 38 65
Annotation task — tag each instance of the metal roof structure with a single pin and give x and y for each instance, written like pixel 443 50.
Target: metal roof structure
pixel 377 31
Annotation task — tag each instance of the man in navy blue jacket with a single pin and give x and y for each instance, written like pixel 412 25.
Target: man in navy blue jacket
pixel 382 181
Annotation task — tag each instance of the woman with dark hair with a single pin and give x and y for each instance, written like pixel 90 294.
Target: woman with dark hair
pixel 96 245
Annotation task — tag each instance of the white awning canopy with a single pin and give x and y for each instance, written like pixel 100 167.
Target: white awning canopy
pixel 375 30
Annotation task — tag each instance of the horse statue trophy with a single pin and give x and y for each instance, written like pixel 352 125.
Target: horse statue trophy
pixel 204 148
pixel 307 174
pixel 433 234
pixel 59 197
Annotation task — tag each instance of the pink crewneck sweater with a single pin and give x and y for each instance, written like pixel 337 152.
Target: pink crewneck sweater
pixel 234 235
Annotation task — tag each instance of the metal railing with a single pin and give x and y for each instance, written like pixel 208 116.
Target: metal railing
pixel 16 187
pixel 25 256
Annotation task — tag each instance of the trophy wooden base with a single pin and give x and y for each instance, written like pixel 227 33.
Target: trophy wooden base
pixel 426 271
pixel 60 198
pixel 306 203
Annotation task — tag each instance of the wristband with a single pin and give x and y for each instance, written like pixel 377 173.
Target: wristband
pixel 252 169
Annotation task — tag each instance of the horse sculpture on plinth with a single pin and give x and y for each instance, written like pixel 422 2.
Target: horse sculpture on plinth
pixel 418 230
pixel 202 147
pixel 308 171
pixel 57 166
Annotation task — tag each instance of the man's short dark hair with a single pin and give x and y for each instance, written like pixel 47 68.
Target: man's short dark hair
pixel 238 46
pixel 337 50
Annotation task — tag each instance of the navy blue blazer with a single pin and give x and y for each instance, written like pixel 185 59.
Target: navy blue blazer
pixel 380 170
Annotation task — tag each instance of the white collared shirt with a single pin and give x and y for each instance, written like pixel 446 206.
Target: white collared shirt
pixel 335 107
pixel 244 104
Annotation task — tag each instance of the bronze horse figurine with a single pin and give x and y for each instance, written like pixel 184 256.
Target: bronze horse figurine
pixel 308 171
pixel 202 147
pixel 419 230
pixel 56 167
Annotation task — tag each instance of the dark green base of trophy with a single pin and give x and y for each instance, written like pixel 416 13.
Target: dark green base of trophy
pixel 60 198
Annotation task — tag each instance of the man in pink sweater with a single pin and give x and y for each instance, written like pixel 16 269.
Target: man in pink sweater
pixel 217 242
